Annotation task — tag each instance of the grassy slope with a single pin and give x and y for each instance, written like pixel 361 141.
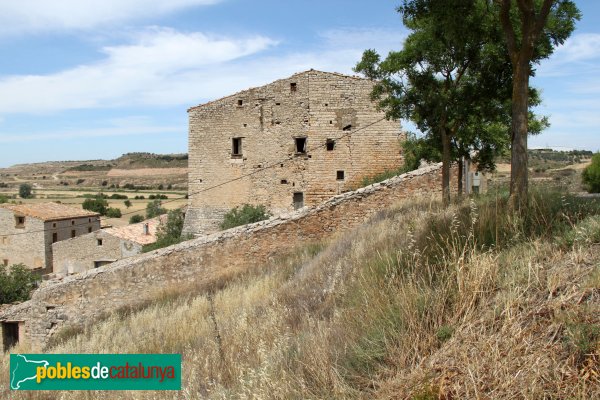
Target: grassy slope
pixel 419 303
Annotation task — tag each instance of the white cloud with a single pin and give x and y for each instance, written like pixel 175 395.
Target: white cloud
pixel 113 130
pixel 31 16
pixel 164 67
pixel 578 55
pixel 131 74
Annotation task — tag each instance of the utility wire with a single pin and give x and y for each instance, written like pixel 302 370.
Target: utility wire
pixel 264 167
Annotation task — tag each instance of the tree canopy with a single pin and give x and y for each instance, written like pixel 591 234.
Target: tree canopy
pixel 532 30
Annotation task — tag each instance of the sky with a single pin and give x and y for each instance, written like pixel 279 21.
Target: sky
pixel 88 79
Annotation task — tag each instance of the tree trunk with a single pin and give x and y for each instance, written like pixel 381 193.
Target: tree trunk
pixel 519 128
pixel 445 167
pixel 461 164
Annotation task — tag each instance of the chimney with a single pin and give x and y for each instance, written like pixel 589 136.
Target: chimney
pixel 146 229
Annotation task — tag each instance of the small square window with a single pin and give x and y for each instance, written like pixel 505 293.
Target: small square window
pixel 236 147
pixel 19 222
pixel 89 220
pixel 54 225
pixel 240 102
pixel 330 144
pixel 73 233
pixel 339 175
pixel 89 229
pixel 5 262
pixel 298 200
pixel 284 181
pixel 73 222
pixel 99 242
pixel 293 87
pixel 300 145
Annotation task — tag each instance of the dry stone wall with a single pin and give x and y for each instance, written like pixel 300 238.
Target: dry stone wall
pixel 82 298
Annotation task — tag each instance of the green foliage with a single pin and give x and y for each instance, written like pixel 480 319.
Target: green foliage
pixel 113 212
pixel 154 209
pixel 17 283
pixel 116 196
pixel 25 190
pixel 127 203
pixel 136 218
pixel 3 199
pixel 97 204
pixel 158 197
pixel 591 175
pixel 169 232
pixel 246 214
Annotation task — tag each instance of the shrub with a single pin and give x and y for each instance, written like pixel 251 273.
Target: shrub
pixel 116 196
pixel 3 199
pixel 169 233
pixel 113 213
pixel 127 203
pixel 154 209
pixel 25 190
pixel 16 284
pixel 135 219
pixel 591 175
pixel 80 181
pixel 98 204
pixel 247 214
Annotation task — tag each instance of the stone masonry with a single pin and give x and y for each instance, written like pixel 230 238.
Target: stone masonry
pixel 27 231
pixel 82 298
pixel 292 143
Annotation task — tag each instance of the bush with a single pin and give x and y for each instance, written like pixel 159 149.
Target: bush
pixel 127 203
pixel 247 214
pixel 25 190
pixel 135 219
pixel 591 175
pixel 98 204
pixel 154 209
pixel 158 197
pixel 169 233
pixel 3 199
pixel 116 196
pixel 113 213
pixel 16 284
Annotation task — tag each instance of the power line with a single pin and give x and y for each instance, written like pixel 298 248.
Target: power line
pixel 264 167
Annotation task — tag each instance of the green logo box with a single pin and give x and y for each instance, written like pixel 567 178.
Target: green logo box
pixel 95 371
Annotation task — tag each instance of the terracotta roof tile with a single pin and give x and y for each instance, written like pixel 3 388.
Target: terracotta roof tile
pixel 135 232
pixel 49 211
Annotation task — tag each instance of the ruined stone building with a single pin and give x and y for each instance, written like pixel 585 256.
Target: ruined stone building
pixel 103 247
pixel 27 231
pixel 291 143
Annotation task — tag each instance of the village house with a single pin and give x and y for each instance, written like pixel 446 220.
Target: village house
pixel 292 143
pixel 103 246
pixel 27 231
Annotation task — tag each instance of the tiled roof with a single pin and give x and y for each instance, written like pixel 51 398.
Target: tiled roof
pixel 49 211
pixel 135 232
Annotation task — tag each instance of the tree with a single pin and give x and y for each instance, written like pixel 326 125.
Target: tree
pixel 127 203
pixel 450 79
pixel 154 209
pixel 97 204
pixel 591 175
pixel 113 212
pixel 532 30
pixel 169 231
pixel 16 284
pixel 25 190
pixel 135 219
pixel 246 214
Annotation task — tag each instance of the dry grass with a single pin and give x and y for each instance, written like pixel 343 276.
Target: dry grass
pixel 422 303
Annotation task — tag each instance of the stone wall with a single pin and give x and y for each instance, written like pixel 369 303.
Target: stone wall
pixel 81 298
pixel 313 105
pixel 22 245
pixel 85 252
